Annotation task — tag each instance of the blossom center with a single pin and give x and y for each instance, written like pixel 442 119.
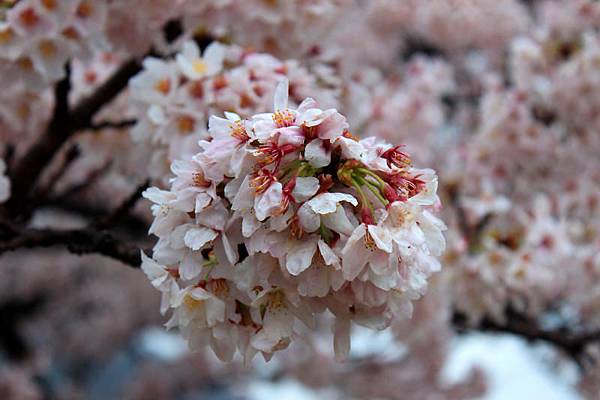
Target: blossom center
pixel 163 86
pixel 276 300
pixel 397 158
pixel 47 48
pixel 369 241
pixel 85 10
pixel 71 33
pixel 6 35
pixel 25 63
pixel 199 180
pixel 283 119
pixel 238 131
pixel 49 4
pixel 262 180
pixel 29 17
pixel 191 302
pixel 271 152
pixel 199 66
pixel 185 124
pixel 219 287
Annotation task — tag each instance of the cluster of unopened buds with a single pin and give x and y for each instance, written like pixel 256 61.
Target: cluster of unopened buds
pixel 283 216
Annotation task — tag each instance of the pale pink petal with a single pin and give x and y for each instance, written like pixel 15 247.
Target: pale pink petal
pixel 299 256
pixel 309 220
pixel 305 188
pixel 196 238
pixel 281 95
pixel 341 338
pixel 269 202
pixel 316 154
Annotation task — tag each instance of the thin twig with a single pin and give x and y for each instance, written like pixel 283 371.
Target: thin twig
pixel 461 215
pixel 122 210
pixel 89 181
pixel 127 123
pixel 70 156
pixel 83 113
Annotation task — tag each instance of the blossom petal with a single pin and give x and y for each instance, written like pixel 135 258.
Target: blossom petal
pixel 196 238
pixel 300 255
pixel 316 154
pixel 327 253
pixel 213 56
pixel 309 220
pixel 333 126
pixel 382 237
pixel 281 95
pixel 338 221
pixel 326 203
pixel 341 338
pixel 269 202
pixel 354 254
pixel 305 188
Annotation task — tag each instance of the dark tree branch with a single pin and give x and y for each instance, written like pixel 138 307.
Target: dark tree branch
pixel 77 241
pixel 91 178
pixel 12 313
pixel 461 215
pixel 7 228
pixel 66 122
pixel 420 46
pixel 572 344
pixel 42 193
pixel 481 225
pixel 91 240
pixel 172 30
pixel 471 232
pixel 123 210
pixel 63 124
pixel 71 155
pixel 83 113
pixel 8 154
pixel 30 167
pixel 132 224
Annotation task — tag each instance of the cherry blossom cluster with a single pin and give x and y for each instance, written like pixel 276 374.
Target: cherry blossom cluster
pixel 537 242
pixel 37 37
pixel 173 99
pixel 282 23
pixel 552 53
pixel 285 215
pixel 415 102
pixel 436 21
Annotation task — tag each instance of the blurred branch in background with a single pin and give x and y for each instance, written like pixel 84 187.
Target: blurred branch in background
pixel 64 123
pixel 572 344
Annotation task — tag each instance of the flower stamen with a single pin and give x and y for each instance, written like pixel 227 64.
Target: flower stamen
pixel 283 119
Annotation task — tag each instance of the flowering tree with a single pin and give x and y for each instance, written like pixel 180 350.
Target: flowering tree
pixel 287 178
